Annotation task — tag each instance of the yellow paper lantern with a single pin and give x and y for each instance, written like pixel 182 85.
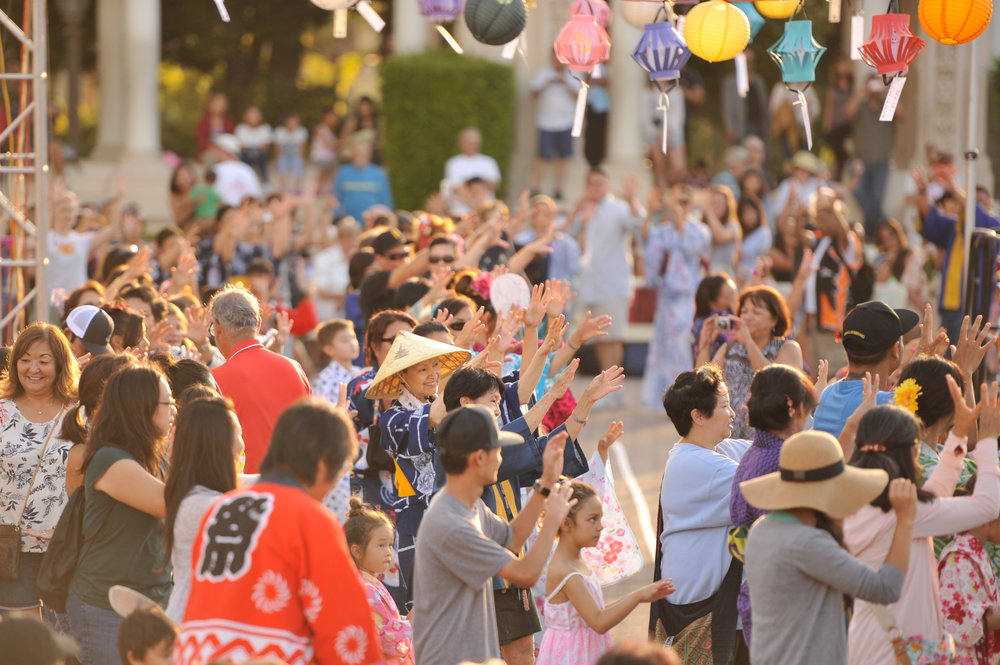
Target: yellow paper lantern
pixel 954 21
pixel 780 9
pixel 716 30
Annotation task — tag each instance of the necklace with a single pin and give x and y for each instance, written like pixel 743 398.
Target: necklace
pixel 41 410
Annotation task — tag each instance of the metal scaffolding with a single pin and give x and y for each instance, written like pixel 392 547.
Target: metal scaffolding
pixel 24 168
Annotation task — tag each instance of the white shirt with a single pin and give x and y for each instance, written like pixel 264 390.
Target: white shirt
pixel 330 273
pixel 234 181
pixel 68 254
pixel 461 168
pixel 253 138
pixel 606 266
pixel 556 105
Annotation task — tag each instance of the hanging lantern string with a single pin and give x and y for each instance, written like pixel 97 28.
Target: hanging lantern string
pixel 664 107
pixel 448 38
pixel 581 107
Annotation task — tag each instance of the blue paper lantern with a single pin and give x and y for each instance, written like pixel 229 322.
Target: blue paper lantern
pixel 756 20
pixel 797 53
pixel 661 52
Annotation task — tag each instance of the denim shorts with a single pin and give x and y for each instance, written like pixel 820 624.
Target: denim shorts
pixel 555 144
pixel 21 594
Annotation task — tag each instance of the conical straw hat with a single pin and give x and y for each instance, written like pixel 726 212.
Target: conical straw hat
pixel 408 350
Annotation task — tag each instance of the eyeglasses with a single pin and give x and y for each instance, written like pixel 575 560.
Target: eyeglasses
pixel 398 256
pixel 442 259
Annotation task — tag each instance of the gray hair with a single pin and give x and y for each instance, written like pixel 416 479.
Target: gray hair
pixel 235 310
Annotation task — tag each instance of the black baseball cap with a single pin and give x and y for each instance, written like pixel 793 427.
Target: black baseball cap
pixel 470 428
pixel 93 326
pixel 29 641
pixel 387 241
pixel 872 327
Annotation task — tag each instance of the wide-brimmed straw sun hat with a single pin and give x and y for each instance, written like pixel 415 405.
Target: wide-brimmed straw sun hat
pixel 408 350
pixel 813 475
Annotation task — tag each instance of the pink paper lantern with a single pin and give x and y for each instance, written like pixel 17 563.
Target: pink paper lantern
pixel 582 43
pixel 597 8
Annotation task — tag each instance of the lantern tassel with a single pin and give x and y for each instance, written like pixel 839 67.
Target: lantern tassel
pixel 804 109
pixel 370 15
pixel 581 108
pixel 223 13
pixel 456 47
pixel 664 107
pixel 742 74
pixel 339 23
pixel 892 99
pixel 510 48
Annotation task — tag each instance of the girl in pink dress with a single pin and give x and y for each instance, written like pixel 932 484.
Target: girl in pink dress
pixel 369 534
pixel 576 619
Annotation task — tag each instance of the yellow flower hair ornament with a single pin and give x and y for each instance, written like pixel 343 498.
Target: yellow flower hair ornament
pixel 906 395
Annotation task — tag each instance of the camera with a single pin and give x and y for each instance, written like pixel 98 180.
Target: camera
pixel 723 323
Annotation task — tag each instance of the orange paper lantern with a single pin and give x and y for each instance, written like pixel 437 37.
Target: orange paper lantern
pixel 954 21
pixel 779 9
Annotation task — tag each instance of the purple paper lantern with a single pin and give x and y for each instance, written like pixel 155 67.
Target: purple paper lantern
pixel 662 52
pixel 441 11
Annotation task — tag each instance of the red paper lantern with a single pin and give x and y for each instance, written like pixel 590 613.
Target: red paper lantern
pixel 597 8
pixel 582 43
pixel 891 46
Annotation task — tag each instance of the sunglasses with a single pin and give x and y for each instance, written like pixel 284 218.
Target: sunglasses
pixel 442 259
pixel 457 326
pixel 398 256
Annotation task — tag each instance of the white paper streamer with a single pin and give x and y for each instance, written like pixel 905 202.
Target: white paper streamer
pixel 664 106
pixel 370 15
pixel 833 15
pixel 339 23
pixel 581 108
pixel 806 123
pixel 857 35
pixel 223 13
pixel 892 99
pixel 742 75
pixel 510 48
pixel 455 46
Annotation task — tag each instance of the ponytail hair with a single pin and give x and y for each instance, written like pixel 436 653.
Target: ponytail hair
pixel 362 519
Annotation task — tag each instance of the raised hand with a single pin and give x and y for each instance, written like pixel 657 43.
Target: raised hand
pixel 822 379
pixel 561 295
pixel 472 327
pixel 565 378
pixel 554 335
pixel 971 346
pixel 284 325
pixel 989 415
pixel 197 330
pixel 611 434
pixel 537 306
pixel 609 381
pixel 965 417
pixel 903 497
pixel 443 316
pixel 591 328
pixel 155 336
pixel 558 503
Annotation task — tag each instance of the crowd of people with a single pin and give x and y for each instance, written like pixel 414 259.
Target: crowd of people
pixel 299 426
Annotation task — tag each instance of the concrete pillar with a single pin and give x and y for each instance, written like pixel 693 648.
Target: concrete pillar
pixel 628 83
pixel 111 59
pixel 142 43
pixel 411 30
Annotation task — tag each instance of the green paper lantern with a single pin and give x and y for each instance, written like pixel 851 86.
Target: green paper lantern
pixel 797 53
pixel 495 22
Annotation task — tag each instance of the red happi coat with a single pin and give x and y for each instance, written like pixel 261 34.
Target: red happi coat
pixel 273 578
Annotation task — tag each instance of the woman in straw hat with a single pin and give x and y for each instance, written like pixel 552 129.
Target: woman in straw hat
pixel 797 567
pixel 887 438
pixel 411 375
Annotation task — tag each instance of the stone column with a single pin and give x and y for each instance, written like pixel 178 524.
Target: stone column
pixel 627 88
pixel 111 59
pixel 142 78
pixel 411 31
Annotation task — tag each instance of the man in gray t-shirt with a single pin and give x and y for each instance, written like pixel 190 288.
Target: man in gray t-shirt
pixel 461 544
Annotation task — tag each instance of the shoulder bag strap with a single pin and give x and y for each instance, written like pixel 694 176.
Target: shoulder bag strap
pixel 58 420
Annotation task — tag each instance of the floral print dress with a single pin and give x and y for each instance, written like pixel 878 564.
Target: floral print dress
pixel 968 591
pixel 396 633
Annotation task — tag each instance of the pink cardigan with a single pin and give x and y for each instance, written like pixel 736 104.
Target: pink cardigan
pixel 868 535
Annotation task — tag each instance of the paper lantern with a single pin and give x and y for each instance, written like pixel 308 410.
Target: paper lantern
pixel 661 52
pixel 641 13
pixel 716 30
pixel 339 9
pixel 440 11
pixel 495 22
pixel 954 21
pixel 891 46
pixel 582 43
pixel 756 20
pixel 797 53
pixel 780 9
